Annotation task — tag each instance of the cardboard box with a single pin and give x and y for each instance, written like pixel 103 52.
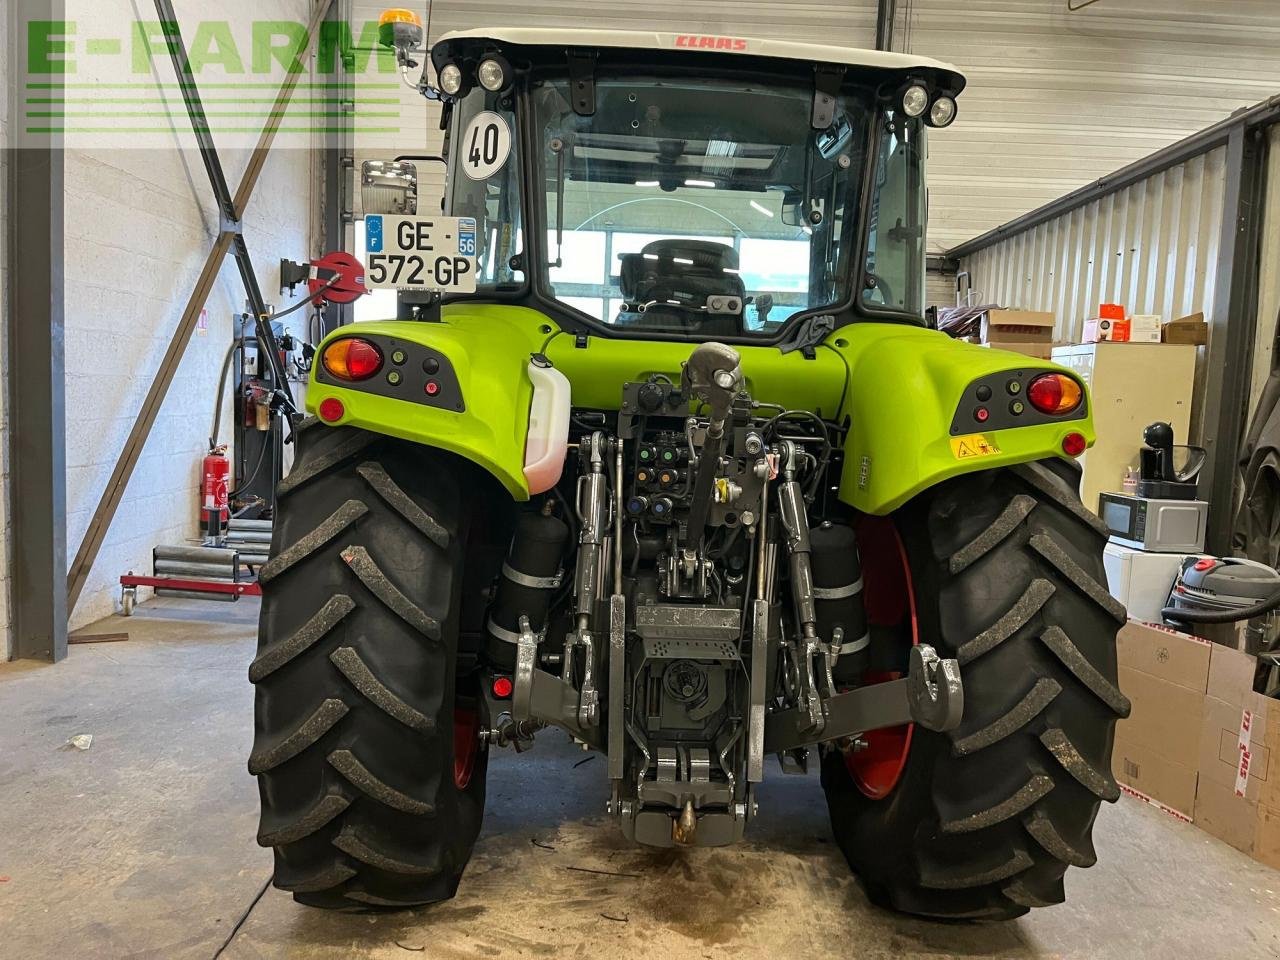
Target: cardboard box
pixel 1191 329
pixel 1238 792
pixel 1111 311
pixel 1017 326
pixel 1164 674
pixel 1101 329
pixel 1144 328
pixel 1042 351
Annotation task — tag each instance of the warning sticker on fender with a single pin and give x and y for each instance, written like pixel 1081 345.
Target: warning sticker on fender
pixel 973 445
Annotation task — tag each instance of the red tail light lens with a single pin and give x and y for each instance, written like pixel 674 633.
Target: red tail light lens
pixel 1054 393
pixel 352 359
pixel 502 687
pixel 331 410
pixel 1074 444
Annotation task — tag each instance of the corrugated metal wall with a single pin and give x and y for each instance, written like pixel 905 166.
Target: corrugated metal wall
pixel 1057 99
pixel 1151 247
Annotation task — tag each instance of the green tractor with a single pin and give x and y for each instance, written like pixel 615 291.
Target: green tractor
pixel 661 451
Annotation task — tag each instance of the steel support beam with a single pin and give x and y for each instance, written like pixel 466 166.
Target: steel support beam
pixel 232 210
pixel 885 13
pixel 36 372
pixel 1234 322
pixel 230 239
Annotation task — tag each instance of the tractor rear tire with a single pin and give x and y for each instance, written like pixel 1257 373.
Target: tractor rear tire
pixel 366 748
pixel 1006 572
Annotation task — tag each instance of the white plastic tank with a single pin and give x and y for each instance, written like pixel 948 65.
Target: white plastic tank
pixel 548 442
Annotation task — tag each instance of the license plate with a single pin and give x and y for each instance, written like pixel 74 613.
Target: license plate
pixel 420 253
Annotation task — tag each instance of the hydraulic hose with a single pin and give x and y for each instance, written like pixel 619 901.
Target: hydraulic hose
pixel 1223 616
pixel 217 400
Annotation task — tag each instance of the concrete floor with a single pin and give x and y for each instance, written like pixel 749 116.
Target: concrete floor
pixel 142 846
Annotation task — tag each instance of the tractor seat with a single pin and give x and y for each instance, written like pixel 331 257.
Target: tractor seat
pixel 684 271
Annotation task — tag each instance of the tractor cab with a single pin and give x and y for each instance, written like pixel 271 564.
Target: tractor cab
pixel 677 186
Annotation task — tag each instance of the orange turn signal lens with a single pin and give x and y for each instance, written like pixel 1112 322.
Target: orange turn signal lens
pixel 1055 393
pixel 352 359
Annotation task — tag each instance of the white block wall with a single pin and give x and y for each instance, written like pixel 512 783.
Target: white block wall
pixel 139 226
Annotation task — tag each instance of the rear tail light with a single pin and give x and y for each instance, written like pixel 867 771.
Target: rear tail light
pixel 1054 393
pixel 331 410
pixel 352 359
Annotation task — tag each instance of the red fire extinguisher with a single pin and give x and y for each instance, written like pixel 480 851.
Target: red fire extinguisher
pixel 215 509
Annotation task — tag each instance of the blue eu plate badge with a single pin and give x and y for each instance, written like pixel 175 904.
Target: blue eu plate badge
pixel 373 233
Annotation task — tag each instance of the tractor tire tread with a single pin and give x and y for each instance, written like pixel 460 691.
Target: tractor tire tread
pixel 348 661
pixel 375 474
pixel 1037 698
pixel 334 875
pixel 985 821
pixel 1052 551
pixel 380 585
pixel 967 878
pixel 1005 524
pixel 293 743
pixel 295 553
pixel 345 444
pixel 1056 639
pixel 359 776
pixel 1029 793
pixel 324 620
pixel 325 809
pixel 351 842
pixel 1046 834
pixel 1090 777
pixel 356 675
pixel 1010 622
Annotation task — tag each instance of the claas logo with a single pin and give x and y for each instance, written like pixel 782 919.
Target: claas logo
pixel 702 42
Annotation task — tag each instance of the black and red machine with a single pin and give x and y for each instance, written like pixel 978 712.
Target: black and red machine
pixel 236 498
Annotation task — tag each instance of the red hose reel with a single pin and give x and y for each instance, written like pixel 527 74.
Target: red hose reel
pixel 337 277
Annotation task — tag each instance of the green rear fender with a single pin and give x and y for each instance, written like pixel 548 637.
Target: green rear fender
pixel 905 387
pixel 898 388
pixel 489 348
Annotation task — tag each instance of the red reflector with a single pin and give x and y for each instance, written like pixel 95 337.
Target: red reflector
pixel 502 687
pixel 331 410
pixel 1054 393
pixel 352 359
pixel 1074 444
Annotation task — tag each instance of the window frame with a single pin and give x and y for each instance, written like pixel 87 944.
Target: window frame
pixel 873 87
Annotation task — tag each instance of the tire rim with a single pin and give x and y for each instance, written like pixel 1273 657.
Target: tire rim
pixel 466 745
pixel 890 600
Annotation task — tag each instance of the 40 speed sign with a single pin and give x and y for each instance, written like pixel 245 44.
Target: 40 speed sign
pixel 420 253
